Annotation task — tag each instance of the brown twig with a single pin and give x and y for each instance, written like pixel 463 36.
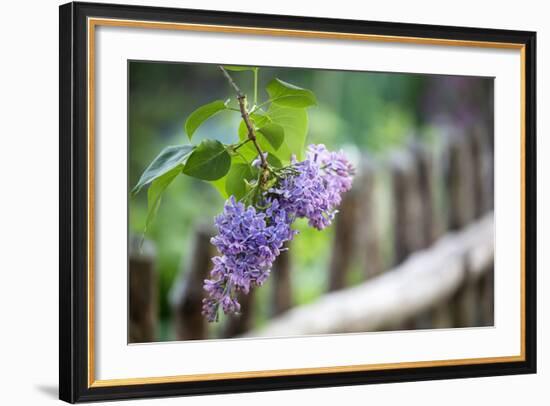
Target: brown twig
pixel 241 98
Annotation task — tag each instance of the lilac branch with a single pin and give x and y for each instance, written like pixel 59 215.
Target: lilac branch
pixel 241 98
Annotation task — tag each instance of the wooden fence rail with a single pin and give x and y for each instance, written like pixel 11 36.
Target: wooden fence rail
pixel 425 279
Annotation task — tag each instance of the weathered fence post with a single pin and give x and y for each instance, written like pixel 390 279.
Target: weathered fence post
pixel 460 182
pixel 407 216
pixel 344 241
pixel 465 190
pixel 282 284
pixel 487 295
pixel 464 301
pixel 142 277
pixel 442 314
pixel 238 324
pixel 423 158
pixel 367 244
pixel 356 239
pixel 432 227
pixel 187 294
pixel 482 158
pixel 481 140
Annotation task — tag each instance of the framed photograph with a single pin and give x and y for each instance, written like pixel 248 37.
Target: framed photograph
pixel 258 202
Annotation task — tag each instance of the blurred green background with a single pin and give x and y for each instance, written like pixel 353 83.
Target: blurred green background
pixel 360 112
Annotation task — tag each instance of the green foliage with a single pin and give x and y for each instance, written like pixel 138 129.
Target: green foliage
pixel 273 133
pixel 202 114
pixel 295 124
pixel 154 194
pixel 390 131
pixel 310 253
pixel 209 161
pixel 280 131
pixel 288 95
pixel 274 161
pixel 248 151
pixel 169 158
pixel 237 178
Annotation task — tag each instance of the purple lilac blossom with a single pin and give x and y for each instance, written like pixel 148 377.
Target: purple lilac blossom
pixel 315 190
pixel 250 239
pixel 336 170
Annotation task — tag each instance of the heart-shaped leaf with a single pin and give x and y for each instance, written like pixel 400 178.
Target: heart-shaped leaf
pixel 219 184
pixel 209 161
pixel 295 124
pixel 274 161
pixel 202 114
pixel 154 194
pixel 274 134
pixel 235 183
pixel 288 95
pixel 168 159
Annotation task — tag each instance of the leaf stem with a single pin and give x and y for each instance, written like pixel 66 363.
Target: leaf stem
pixel 241 144
pixel 256 108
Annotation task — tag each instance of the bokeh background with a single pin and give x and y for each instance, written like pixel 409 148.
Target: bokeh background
pixel 398 129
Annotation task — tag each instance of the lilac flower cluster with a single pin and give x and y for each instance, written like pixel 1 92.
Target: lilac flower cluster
pixel 336 169
pixel 315 189
pixel 250 239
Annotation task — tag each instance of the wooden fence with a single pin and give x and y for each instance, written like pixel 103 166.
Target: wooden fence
pixel 435 269
pixel 422 283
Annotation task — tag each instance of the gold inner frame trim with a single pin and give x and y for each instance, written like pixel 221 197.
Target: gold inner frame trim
pixel 94 22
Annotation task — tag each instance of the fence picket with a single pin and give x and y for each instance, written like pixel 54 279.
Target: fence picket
pixel 142 292
pixel 282 284
pixel 187 293
pixel 407 220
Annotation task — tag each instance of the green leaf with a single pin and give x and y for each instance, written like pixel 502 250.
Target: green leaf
pixel 295 124
pixel 209 161
pixel 154 194
pixel 273 133
pixel 274 161
pixel 219 184
pixel 234 68
pixel 235 183
pixel 288 95
pixel 248 150
pixel 169 158
pixel 202 114
pixel 260 119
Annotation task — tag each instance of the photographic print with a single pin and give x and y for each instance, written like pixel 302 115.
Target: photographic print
pixel 280 202
pixel 258 202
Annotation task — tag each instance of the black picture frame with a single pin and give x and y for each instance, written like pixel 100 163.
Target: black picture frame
pixel 73 284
